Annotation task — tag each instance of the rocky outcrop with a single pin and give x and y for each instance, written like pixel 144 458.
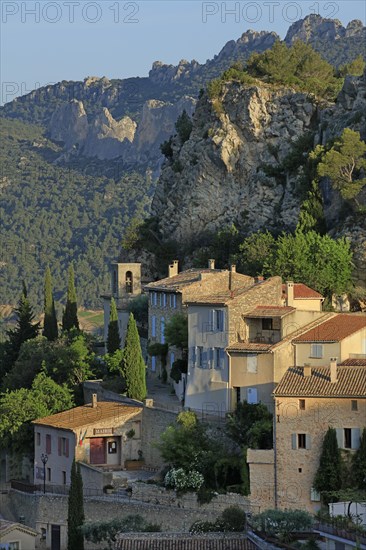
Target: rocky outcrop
pixel 217 177
pixel 69 124
pixel 220 175
pixel 107 138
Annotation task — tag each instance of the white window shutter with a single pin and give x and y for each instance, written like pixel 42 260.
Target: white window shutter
pixel 308 441
pixel 294 441
pixel 340 438
pixel 355 438
pixel 212 320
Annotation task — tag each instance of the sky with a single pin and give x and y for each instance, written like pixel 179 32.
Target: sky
pixel 44 42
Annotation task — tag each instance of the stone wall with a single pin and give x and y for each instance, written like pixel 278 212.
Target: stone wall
pixel 261 471
pixel 154 422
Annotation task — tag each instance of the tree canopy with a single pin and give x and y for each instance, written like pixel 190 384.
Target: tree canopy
pixel 251 425
pixel 50 329
pixel 345 164
pixel 329 474
pixel 75 510
pixel 70 315
pixel 133 365
pixel 113 338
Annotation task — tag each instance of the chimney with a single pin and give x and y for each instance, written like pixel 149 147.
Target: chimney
pixel 211 264
pixel 94 400
pixel 307 369
pixel 333 370
pixel 290 293
pixel 173 268
pixel 233 268
pixel 259 279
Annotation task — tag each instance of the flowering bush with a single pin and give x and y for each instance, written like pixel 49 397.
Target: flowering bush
pixel 180 480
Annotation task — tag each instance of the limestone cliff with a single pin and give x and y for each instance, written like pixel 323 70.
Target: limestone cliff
pixel 69 123
pixel 218 176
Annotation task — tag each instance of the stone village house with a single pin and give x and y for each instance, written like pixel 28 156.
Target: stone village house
pixel 309 398
pixel 103 433
pixel 240 342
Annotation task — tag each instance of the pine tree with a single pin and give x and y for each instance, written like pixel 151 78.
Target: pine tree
pixel 50 330
pixel 70 315
pixel 359 463
pixel 328 476
pixel 134 368
pixel 113 339
pixel 25 330
pixel 75 513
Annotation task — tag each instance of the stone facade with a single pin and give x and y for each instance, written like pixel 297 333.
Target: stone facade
pixel 296 467
pixel 245 357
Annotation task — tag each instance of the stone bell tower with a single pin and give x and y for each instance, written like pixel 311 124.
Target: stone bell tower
pixel 125 286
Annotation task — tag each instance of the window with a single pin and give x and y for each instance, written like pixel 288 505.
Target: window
pixel 129 282
pixel 302 404
pixel 38 438
pixel 64 477
pixel 161 299
pixel 217 358
pixel 347 438
pixel 354 405
pixel 153 363
pixel 174 297
pixel 48 444
pixel 217 320
pixel 155 298
pixel 112 447
pixel 252 363
pixel 314 495
pixel 252 397
pixel 49 474
pixel 162 330
pixel 153 326
pixel 316 351
pixel 237 393
pixel 267 324
pixel 13 545
pixel 300 441
pixel 151 298
pixel 63 446
pixel 164 299
pixel 137 427
pixel 199 358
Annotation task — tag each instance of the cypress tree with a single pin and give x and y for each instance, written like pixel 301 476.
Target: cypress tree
pixel 50 330
pixel 25 330
pixel 329 476
pixel 359 463
pixel 75 512
pixel 70 315
pixel 134 368
pixel 113 339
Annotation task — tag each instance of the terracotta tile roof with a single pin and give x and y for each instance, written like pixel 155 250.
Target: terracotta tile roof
pixel 354 362
pixel 184 278
pixel 249 346
pixel 270 311
pixel 303 292
pixel 227 296
pixel 351 382
pixel 335 329
pixel 183 541
pixel 86 415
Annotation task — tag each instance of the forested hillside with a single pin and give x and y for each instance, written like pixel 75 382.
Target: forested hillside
pixel 54 215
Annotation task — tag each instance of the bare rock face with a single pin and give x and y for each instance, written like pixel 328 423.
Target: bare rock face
pixel 218 176
pixel 158 124
pixel 107 138
pixel 69 124
pixel 314 27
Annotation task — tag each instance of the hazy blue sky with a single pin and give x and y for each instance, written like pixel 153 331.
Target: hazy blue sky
pixel 48 41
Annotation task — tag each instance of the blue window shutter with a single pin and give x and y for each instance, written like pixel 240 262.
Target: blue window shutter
pixel 294 441
pixel 355 438
pixel 204 359
pixel 340 438
pixel 222 358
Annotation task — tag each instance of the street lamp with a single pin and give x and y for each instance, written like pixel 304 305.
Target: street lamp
pixel 44 458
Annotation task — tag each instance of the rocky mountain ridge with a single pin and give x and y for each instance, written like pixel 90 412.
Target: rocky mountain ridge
pixel 129 118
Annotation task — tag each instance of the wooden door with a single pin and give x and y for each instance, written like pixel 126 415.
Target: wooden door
pixel 97 450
